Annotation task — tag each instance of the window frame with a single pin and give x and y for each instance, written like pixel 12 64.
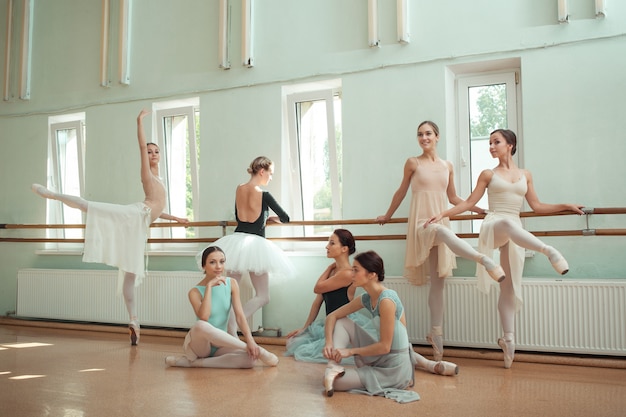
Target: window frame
pixel 460 151
pixel 327 94
pixel 161 111
pixel 55 209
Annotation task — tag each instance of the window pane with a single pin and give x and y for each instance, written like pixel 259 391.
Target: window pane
pixel 68 160
pixel 177 166
pixel 316 161
pixel 487 112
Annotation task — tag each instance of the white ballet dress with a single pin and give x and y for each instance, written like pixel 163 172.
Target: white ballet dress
pixel 505 201
pixel 116 235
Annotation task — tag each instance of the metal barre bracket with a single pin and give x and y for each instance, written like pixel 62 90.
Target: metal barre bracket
pixel 589 232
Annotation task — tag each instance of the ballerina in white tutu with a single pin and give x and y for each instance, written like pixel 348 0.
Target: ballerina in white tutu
pixel 247 249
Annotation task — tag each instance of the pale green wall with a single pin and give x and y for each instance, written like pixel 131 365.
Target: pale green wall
pixel 572 92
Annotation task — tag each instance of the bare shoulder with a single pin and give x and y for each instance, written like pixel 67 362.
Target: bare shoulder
pixel 449 165
pixel 486 175
pixel 411 163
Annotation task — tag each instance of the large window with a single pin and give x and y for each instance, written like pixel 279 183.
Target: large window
pixel 177 132
pixel 485 102
pixel 315 153
pixel 66 173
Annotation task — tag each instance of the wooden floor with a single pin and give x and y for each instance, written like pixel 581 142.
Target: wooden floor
pixel 84 371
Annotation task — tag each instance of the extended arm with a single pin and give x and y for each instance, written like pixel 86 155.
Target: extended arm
pixel 146 174
pixel 398 196
pixel 167 216
pixel 453 198
pixel 313 312
pixel 544 208
pixel 282 215
pixel 479 191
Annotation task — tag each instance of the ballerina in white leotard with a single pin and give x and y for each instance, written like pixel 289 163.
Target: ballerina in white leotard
pixel 507 186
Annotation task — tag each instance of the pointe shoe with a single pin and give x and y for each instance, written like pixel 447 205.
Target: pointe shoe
pixel 557 260
pixel 182 361
pixel 133 329
pixel 268 358
pixel 332 372
pixel 436 341
pixel 41 191
pixel 508 347
pixel 446 368
pixel 561 266
pixel 496 273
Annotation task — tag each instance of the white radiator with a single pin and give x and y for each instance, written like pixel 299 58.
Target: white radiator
pixel 91 296
pixel 577 316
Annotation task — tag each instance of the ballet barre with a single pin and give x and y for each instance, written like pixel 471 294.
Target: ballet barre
pixel 224 224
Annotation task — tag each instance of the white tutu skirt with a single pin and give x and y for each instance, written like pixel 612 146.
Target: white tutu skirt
pixel 252 253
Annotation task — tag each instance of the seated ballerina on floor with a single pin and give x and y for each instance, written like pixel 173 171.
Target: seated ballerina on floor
pixel 333 289
pixel 208 344
pixel 384 358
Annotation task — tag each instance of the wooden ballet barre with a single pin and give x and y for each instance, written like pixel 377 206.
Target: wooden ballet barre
pixel 230 223
pixel 553 233
pixel 340 222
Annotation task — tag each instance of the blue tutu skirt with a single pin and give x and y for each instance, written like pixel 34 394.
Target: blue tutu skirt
pixel 252 253
pixel 309 345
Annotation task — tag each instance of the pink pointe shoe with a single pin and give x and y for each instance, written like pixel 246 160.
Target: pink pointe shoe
pixel 561 266
pixel 436 341
pixel 332 372
pixel 496 273
pixel 557 260
pixel 508 347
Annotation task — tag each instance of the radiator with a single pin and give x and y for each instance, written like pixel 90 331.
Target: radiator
pixel 577 316
pixel 91 296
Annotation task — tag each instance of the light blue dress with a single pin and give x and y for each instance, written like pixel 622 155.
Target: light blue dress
pixel 385 375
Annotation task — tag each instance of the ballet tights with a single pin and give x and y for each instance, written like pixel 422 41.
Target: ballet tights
pixel 505 230
pixel 260 283
pixel 128 290
pixel 506 300
pixel 69 200
pixel 345 331
pixel 461 248
pixel 231 353
pixel 435 294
